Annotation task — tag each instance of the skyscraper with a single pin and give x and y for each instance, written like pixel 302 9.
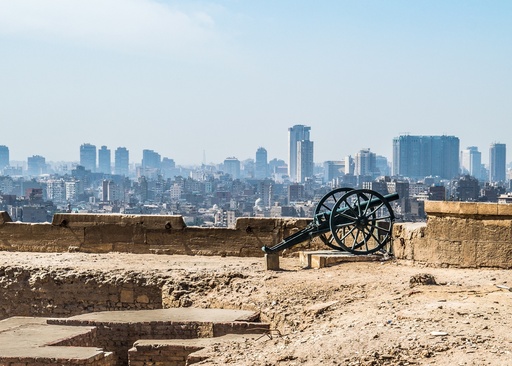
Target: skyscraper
pixel 365 163
pixel 305 165
pixel 36 165
pixel 104 160
pixel 121 163
pixel 333 169
pixel 150 159
pixel 298 134
pixel 471 162
pixel 4 157
pixel 261 169
pixel 497 162
pixel 421 156
pixel 232 167
pixel 88 157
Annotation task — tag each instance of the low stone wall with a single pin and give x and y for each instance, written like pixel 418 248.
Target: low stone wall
pixel 61 293
pixel 100 360
pixel 119 337
pixel 458 234
pixel 166 353
pixel 103 233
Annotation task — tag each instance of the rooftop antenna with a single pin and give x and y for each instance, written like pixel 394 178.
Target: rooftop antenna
pixel 204 157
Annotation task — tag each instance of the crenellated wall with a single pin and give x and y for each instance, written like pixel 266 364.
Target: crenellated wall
pixel 459 234
pixel 103 233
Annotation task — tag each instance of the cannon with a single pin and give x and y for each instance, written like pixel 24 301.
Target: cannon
pixel 358 221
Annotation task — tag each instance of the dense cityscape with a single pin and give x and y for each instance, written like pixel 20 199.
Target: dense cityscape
pixel 422 168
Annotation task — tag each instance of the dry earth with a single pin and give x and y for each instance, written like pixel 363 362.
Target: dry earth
pixel 374 313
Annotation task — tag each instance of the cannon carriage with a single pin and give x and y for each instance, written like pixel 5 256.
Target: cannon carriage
pixel 358 221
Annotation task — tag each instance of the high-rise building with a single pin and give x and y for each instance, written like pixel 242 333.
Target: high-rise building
pixel 265 192
pixel 421 156
pixel 333 170
pixel 4 157
pixel 168 167
pixel 232 167
pixel 497 162
pixel 471 162
pixel 88 157
pixel 150 159
pixel 56 190
pixel 298 134
pixel 295 193
pixel 104 160
pixel 305 164
pixel 121 163
pixel 365 163
pixel 261 168
pixel 36 165
pixel 382 165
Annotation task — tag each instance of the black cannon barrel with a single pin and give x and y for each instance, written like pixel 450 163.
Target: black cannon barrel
pixel 320 224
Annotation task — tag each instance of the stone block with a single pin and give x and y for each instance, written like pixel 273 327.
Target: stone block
pixel 505 210
pixel 494 254
pixel 272 262
pixel 127 296
pixel 487 209
pixel 27 237
pixel 109 233
pixel 161 222
pixel 257 224
pixel 441 207
pixel 469 254
pixel 468 208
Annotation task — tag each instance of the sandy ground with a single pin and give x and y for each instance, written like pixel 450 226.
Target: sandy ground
pixel 374 313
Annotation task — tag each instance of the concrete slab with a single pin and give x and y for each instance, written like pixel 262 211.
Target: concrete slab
pixel 32 338
pixel 166 315
pixel 325 258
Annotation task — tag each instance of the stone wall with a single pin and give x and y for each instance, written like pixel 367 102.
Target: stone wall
pixel 458 234
pixel 103 233
pixel 119 337
pixel 162 353
pixel 61 293
pixel 100 360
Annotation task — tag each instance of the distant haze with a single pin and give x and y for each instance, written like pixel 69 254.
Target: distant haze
pixel 221 78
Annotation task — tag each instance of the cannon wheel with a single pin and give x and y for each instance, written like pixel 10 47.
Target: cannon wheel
pixel 325 206
pixel 358 227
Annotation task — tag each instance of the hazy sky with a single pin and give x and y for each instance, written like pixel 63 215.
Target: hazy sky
pixel 226 77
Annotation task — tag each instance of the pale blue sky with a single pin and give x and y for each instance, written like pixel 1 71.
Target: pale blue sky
pixel 226 77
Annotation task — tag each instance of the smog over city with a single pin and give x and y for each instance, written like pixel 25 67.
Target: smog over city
pixel 143 102
pixel 200 81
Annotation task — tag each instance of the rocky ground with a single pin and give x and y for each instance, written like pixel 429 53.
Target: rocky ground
pixel 374 313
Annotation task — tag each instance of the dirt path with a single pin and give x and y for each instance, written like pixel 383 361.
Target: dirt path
pixel 350 314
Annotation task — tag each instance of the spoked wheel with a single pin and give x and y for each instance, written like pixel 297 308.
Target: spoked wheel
pixel 323 210
pixel 361 221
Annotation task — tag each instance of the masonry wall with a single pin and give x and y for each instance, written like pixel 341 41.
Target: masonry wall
pixel 119 337
pixel 103 233
pixel 153 354
pixel 100 360
pixel 458 234
pixel 60 293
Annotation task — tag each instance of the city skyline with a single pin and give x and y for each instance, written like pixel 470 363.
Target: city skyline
pixel 220 78
pixel 87 160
